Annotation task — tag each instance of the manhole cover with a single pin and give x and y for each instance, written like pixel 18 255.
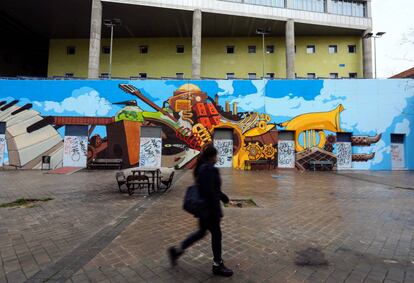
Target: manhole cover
pixel 241 203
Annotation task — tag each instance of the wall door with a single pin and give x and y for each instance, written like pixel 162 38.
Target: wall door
pixel 286 155
pixel 2 142
pixel 150 154
pixel 223 142
pixel 75 146
pixel 398 151
pixel 344 150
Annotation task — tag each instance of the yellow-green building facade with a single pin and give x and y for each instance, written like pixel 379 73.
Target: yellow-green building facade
pixel 162 59
pixel 192 39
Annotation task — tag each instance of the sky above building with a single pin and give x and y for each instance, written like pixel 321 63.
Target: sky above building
pixel 395 51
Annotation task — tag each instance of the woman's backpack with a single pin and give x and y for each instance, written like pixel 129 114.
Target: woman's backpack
pixel 194 203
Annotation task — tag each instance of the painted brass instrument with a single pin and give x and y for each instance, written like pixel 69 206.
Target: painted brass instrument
pixel 310 128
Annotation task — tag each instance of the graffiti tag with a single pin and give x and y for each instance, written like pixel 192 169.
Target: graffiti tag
pixel 225 152
pixel 286 156
pixel 150 152
pixel 75 151
pixel 2 148
pixel 344 154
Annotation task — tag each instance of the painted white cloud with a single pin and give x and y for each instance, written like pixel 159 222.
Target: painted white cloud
pixel 251 102
pixel 255 101
pixel 226 86
pixel 403 127
pixel 84 101
pixel 380 149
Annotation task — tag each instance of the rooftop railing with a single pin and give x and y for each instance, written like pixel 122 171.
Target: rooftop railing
pixel 354 8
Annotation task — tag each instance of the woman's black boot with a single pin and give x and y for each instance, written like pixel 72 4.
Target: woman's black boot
pixel 174 253
pixel 222 270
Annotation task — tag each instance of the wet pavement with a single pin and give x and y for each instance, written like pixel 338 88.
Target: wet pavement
pixel 360 225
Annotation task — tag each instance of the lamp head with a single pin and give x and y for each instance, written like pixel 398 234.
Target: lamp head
pixel 107 23
pixel 368 35
pixel 116 22
pixel 380 34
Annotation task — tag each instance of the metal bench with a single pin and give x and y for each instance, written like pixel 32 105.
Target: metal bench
pixel 138 182
pixel 105 163
pixel 163 181
pixel 166 184
pixel 321 163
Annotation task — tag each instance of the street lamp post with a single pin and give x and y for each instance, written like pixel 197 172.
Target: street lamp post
pixel 263 32
pixel 375 36
pixel 111 24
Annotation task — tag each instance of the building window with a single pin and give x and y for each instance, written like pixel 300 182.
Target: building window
pixel 310 5
pixel 270 75
pixel 353 75
pixel 348 8
pixel 272 3
pixel 230 49
pixel 333 75
pixel 270 49
pixel 179 76
pixel 311 76
pixel 180 49
pixel 230 76
pixel 71 50
pixel 310 49
pixel 251 49
pixel 333 49
pixel 69 75
pixel 143 49
pixel 252 76
pixel 106 50
pixel 142 75
pixel 352 48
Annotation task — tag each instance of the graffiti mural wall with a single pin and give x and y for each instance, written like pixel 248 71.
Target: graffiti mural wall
pixel 189 112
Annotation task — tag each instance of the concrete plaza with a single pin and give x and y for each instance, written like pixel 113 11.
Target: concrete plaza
pixel 361 223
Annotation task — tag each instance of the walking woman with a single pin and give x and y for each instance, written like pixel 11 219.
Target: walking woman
pixel 209 183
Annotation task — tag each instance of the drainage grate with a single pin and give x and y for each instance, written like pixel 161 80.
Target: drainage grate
pixel 241 203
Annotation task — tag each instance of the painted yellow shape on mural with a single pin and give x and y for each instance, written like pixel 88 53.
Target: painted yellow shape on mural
pixel 257 131
pixel 310 123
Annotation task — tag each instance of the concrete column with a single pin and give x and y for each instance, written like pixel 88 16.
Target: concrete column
pixel 367 56
pixel 95 39
pixel 196 55
pixel 368 8
pixel 290 49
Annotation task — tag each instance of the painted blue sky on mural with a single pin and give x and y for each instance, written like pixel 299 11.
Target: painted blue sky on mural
pixel 371 106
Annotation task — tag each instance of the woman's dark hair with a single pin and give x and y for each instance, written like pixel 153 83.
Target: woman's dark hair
pixel 207 153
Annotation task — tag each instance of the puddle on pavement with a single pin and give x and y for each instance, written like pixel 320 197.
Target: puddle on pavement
pixel 310 257
pixel 278 177
pixel 241 203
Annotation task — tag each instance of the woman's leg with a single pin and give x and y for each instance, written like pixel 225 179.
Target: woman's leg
pixel 215 230
pixel 197 235
pixel 218 265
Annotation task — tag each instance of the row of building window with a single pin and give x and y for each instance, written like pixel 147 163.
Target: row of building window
pixel 348 8
pixel 231 76
pixel 231 49
pixel 341 7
